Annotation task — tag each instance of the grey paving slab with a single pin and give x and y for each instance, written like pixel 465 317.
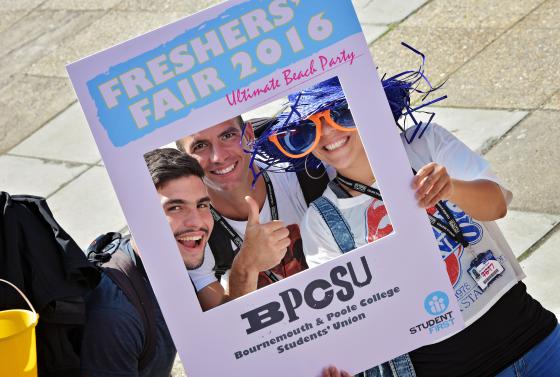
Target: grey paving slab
pixel 27 103
pixel 20 4
pixel 500 14
pixel 527 161
pixel 80 4
pixel 188 7
pixel 523 229
pixel 178 369
pixel 545 16
pixel 22 175
pixel 446 49
pixel 358 4
pixel 519 70
pixel 67 137
pixel 477 128
pixel 36 35
pixel 8 18
pixel 385 12
pixel 51 25
pixel 543 279
pixel 372 32
pixel 553 103
pixel 88 207
pixel 113 28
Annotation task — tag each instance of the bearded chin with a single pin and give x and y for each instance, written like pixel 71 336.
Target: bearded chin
pixel 194 266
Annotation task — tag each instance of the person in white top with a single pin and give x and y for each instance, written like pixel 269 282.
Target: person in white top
pixel 459 192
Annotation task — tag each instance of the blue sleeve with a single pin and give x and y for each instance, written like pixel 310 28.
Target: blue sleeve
pixel 113 337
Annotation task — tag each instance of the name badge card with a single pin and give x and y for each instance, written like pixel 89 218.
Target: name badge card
pixel 355 311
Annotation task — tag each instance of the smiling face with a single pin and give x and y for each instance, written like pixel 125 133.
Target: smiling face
pixel 186 205
pixel 218 150
pixel 337 148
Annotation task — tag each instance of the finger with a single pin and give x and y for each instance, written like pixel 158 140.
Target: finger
pixel 438 177
pixel 345 374
pixel 284 243
pixel 330 372
pixel 425 186
pixel 427 198
pixel 274 258
pixel 280 234
pixel 273 226
pixel 281 254
pixel 253 218
pixel 279 247
pixel 438 180
pixel 436 194
pixel 422 173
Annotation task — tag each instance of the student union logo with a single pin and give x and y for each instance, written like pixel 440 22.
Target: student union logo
pixel 436 303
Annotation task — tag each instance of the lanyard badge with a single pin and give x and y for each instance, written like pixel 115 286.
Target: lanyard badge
pixel 485 268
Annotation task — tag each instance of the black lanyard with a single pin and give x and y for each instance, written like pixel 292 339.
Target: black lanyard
pixel 451 229
pixel 234 236
pixel 360 187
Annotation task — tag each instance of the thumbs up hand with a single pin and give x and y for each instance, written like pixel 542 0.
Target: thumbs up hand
pixel 254 212
pixel 264 245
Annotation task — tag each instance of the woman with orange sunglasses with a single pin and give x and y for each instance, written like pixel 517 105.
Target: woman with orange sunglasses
pixel 351 213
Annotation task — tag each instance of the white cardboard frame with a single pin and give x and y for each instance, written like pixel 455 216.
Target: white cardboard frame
pixel 207 341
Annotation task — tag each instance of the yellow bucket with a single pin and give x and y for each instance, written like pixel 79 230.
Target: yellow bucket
pixel 18 354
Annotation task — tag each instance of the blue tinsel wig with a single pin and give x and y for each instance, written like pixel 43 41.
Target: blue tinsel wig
pixel 329 94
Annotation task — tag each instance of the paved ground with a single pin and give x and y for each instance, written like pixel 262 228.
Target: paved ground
pixel 500 59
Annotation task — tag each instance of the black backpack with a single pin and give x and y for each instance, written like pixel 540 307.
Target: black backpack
pixel 106 252
pixel 42 260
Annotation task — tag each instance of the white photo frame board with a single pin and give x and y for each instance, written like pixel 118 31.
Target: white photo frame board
pixel 130 120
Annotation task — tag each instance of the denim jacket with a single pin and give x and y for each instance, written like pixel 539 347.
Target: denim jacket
pixel 400 366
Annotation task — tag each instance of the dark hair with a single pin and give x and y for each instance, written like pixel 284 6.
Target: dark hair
pixel 239 120
pixel 166 164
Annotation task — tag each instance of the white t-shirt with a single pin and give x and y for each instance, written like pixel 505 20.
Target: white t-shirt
pixel 368 220
pixel 291 208
pixel 204 275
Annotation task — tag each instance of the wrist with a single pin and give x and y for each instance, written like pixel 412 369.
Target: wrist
pixel 243 278
pixel 243 265
pixel 453 184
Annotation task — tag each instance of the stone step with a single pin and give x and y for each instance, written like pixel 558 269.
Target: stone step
pixel 67 137
pixel 477 128
pixel 31 176
pixel 543 279
pixel 523 229
pixel 88 207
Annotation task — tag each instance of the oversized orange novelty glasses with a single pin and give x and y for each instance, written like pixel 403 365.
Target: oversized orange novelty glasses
pixel 302 137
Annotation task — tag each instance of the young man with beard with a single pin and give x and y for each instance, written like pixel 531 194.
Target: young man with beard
pixel 263 212
pixel 115 337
